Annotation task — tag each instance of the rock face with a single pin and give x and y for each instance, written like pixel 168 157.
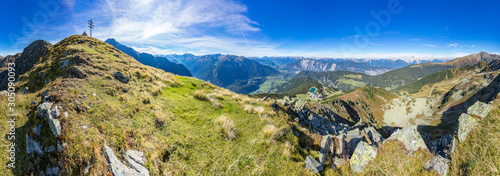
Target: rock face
pixel 121 77
pixel 465 125
pixel 439 164
pixel 363 154
pixel 313 165
pixel 32 146
pixel 118 168
pixel 410 137
pixel 480 109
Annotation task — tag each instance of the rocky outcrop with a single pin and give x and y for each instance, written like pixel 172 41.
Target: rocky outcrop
pixel 439 164
pixel 134 158
pixel 363 154
pixel 313 165
pixel 480 109
pixel 465 125
pixel 50 113
pixel 410 137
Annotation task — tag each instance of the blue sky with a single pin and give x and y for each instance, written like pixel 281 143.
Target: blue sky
pixel 314 28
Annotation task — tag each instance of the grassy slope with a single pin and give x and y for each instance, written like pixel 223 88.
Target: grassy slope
pixel 478 154
pixel 159 114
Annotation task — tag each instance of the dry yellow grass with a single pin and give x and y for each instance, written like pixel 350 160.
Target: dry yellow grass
pixel 226 127
pixel 271 132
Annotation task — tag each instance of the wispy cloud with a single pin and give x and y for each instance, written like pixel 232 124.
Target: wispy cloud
pixel 452 45
pixel 430 45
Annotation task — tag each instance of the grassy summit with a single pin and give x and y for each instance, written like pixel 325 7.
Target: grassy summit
pixel 176 121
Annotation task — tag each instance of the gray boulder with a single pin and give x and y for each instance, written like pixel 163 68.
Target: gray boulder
pixel 55 112
pixel 480 109
pixel 465 125
pixel 136 160
pixel 116 167
pixel 122 78
pixel 363 154
pixel 410 137
pixel 352 139
pixel 313 165
pixel 32 146
pixel 439 164
pixel 44 109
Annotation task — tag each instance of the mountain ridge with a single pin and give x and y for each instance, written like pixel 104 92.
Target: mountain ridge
pixel 149 59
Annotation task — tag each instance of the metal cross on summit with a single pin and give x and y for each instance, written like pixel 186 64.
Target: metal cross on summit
pixel 91 26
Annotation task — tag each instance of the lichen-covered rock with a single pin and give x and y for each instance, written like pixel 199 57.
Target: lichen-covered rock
pixel 480 109
pixel 136 160
pixel 439 164
pixel 410 137
pixel 32 146
pixel 363 154
pixel 465 125
pixel 313 165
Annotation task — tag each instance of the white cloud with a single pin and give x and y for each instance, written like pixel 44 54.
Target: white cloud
pixel 133 20
pixel 430 45
pixel 452 45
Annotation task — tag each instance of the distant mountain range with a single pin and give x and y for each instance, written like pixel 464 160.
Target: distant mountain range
pixel 347 80
pixel 150 60
pixel 322 66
